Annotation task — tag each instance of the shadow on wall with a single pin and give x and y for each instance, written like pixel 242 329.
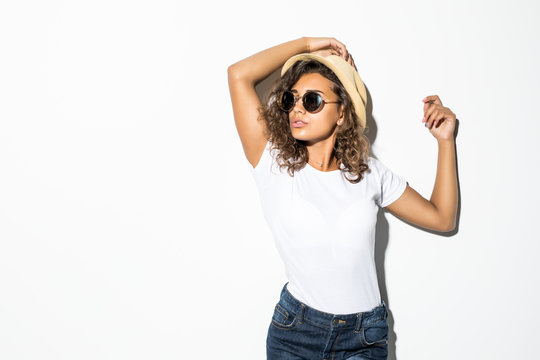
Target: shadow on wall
pixel 382 233
pixel 263 88
pixel 381 243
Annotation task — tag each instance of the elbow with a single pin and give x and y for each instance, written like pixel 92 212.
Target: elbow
pixel 231 70
pixel 447 225
pixel 237 73
pixel 233 73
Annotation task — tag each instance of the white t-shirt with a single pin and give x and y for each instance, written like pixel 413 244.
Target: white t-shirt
pixel 324 230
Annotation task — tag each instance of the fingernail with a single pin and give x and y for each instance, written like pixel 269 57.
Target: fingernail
pixel 424 119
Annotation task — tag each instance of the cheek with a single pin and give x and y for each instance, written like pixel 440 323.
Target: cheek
pixel 327 121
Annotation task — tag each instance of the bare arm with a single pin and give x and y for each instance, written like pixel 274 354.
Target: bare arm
pixel 445 190
pixel 258 66
pixel 440 212
pixel 246 73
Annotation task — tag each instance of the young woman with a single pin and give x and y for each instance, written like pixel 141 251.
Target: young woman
pixel 320 191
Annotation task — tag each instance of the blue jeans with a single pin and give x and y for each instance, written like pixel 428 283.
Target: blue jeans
pixel 300 332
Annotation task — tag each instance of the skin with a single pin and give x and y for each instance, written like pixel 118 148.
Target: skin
pixel 320 131
pixel 438 213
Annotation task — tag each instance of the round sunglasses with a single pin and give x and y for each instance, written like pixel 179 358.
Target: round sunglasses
pixel 311 100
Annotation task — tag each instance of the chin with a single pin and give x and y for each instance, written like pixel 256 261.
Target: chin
pixel 300 138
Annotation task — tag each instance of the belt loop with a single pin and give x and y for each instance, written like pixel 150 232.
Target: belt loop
pixel 358 322
pixel 301 314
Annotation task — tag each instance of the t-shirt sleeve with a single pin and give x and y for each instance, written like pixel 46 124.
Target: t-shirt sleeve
pixel 262 173
pixel 392 185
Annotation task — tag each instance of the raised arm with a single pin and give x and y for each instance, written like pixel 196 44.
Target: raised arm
pixel 243 76
pixel 440 212
pixel 246 73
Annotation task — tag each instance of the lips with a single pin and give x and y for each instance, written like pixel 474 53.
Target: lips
pixel 296 123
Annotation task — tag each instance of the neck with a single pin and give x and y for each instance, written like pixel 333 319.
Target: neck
pixel 322 157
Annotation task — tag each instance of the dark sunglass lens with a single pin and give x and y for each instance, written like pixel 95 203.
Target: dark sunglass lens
pixel 287 101
pixel 312 101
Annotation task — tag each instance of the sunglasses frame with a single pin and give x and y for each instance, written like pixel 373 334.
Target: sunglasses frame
pixel 296 97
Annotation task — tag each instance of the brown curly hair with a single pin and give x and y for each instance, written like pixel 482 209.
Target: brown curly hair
pixel 352 146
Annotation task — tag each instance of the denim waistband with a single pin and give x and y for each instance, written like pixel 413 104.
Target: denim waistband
pixel 328 320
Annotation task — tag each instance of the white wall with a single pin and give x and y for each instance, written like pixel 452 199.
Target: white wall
pixel 130 226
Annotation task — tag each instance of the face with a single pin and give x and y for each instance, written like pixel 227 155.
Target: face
pixel 322 124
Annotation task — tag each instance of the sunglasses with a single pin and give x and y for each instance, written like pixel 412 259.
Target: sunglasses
pixel 311 100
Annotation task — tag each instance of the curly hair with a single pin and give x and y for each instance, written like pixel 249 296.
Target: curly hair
pixel 352 146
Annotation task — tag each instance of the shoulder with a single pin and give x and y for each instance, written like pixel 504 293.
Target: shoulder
pixel 374 165
pixel 378 169
pixel 269 163
pixel 373 161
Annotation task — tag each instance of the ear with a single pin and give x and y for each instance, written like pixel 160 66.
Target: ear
pixel 341 112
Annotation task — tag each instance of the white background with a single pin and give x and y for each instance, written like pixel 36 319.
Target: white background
pixel 130 226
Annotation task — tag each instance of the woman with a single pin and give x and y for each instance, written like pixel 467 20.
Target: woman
pixel 320 192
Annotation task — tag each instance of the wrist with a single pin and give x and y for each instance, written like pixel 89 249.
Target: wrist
pixel 305 44
pixel 446 142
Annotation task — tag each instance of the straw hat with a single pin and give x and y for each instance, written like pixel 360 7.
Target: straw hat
pixel 346 74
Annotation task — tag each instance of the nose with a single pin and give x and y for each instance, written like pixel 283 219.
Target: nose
pixel 298 106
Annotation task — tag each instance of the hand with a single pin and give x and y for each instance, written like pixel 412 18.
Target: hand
pixel 329 46
pixel 440 120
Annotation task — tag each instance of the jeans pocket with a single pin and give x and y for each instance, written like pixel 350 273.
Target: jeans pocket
pixel 376 333
pixel 283 318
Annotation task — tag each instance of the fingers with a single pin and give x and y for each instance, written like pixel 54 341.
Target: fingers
pixel 432 110
pixel 439 117
pixel 430 115
pixel 340 48
pixel 351 61
pixel 429 107
pixel 434 117
pixel 345 54
pixel 432 98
